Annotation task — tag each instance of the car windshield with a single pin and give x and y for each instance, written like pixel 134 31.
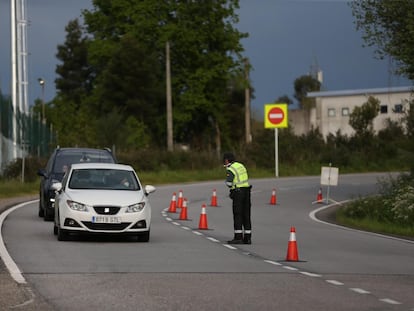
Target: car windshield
pixel 108 179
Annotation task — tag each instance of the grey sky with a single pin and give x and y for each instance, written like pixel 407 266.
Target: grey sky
pixel 286 38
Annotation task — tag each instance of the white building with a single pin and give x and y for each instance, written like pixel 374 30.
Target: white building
pixel 332 109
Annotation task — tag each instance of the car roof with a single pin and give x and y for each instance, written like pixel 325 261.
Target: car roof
pixel 83 149
pixel 101 165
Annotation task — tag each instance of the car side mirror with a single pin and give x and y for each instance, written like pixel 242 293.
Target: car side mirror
pixel 42 172
pixel 56 186
pixel 149 189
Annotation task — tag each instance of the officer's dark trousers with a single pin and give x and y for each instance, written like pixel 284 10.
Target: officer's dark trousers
pixel 241 210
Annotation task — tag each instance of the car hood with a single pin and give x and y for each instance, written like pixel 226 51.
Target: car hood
pixel 107 197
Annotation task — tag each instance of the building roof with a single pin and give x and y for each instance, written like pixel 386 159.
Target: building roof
pixel 400 89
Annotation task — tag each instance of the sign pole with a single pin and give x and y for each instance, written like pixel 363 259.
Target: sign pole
pixel 276 152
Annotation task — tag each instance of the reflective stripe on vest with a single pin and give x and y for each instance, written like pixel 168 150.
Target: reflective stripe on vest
pixel 241 179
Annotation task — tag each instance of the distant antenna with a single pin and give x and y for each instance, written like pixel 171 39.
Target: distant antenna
pixel 315 71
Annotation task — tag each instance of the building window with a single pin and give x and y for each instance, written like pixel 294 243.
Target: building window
pixel 345 112
pixel 398 108
pixel 331 112
pixel 383 109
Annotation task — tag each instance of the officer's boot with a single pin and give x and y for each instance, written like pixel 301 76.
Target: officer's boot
pixel 247 239
pixel 238 239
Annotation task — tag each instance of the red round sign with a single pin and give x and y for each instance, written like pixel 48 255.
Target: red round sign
pixel 276 115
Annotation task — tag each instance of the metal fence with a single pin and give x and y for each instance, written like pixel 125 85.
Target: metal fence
pixel 22 135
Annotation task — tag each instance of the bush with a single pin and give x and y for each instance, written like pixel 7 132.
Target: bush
pixel 31 166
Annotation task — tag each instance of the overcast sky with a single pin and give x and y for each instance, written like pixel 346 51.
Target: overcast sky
pixel 286 38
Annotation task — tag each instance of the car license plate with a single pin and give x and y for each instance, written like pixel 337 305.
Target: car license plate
pixel 106 219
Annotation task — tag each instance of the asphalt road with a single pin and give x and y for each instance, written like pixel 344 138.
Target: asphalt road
pixel 185 268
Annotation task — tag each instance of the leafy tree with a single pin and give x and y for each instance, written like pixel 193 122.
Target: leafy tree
pixel 73 84
pixel 388 26
pixel 284 99
pixel 205 51
pixel 361 118
pixel 302 86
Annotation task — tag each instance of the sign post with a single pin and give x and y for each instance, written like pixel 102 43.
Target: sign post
pixel 275 116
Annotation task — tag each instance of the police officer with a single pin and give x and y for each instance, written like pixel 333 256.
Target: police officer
pixel 237 180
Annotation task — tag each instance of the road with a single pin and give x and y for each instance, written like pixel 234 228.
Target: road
pixel 185 268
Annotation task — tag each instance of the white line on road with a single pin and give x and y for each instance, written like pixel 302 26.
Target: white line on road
pixel 4 254
pixel 290 268
pixel 334 282
pixel 229 246
pixel 213 239
pixel 360 291
pixel 314 275
pixel 390 301
pixel 273 262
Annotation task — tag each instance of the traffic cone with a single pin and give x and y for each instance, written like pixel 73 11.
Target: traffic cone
pixel 292 251
pixel 180 199
pixel 319 198
pixel 273 197
pixel 202 224
pixel 183 213
pixel 214 198
pixel 173 204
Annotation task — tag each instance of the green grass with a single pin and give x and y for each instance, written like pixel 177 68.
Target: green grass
pixel 373 225
pixel 15 188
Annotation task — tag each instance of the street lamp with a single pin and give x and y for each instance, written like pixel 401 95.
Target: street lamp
pixel 42 85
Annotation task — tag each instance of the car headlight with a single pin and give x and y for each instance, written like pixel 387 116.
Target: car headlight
pixel 137 207
pixel 76 206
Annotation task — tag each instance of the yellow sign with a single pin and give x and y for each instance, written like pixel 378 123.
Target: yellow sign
pixel 276 115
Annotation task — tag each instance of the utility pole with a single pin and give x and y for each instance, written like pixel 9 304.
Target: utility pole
pixel 170 146
pixel 247 102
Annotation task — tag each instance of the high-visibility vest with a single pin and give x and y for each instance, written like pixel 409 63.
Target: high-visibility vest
pixel 241 179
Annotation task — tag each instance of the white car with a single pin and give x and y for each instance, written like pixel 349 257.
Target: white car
pixel 103 198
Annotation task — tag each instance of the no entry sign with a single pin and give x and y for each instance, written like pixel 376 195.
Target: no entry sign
pixel 276 116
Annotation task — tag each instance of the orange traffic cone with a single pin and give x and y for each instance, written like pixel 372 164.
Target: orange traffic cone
pixel 319 198
pixel 273 197
pixel 173 204
pixel 292 251
pixel 214 198
pixel 183 214
pixel 202 224
pixel 180 199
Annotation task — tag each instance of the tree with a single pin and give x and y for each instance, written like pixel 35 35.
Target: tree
pixel 388 25
pixel 205 52
pixel 284 99
pixel 302 86
pixel 74 83
pixel 361 118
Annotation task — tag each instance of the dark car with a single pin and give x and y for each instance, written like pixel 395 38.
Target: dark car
pixel 57 165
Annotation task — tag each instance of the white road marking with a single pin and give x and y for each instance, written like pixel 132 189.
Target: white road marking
pixel 273 262
pixel 290 268
pixel 334 282
pixel 14 270
pixel 390 301
pixel 229 246
pixel 213 239
pixel 360 291
pixel 314 275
